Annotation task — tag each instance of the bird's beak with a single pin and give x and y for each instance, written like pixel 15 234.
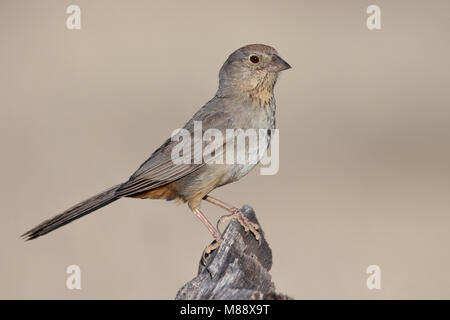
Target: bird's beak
pixel 277 64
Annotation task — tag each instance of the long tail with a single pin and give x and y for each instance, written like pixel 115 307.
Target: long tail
pixel 71 214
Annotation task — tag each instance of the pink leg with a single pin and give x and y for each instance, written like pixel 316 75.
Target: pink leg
pixel 235 214
pixel 214 232
pixel 219 203
pixel 208 224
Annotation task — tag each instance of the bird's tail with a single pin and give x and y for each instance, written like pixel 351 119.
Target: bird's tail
pixel 71 214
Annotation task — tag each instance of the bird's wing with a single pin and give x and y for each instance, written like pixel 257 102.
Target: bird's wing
pixel 157 171
pixel 160 169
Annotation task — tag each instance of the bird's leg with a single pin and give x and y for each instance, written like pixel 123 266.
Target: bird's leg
pixel 235 214
pixel 214 232
pixel 201 216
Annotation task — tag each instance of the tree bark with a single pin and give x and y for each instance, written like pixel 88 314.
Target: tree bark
pixel 237 269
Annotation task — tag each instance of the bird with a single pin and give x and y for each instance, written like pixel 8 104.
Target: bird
pixel 244 100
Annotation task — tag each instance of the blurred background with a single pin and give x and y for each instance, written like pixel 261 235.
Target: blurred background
pixel 364 119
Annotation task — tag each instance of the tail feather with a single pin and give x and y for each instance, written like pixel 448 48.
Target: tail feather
pixel 73 213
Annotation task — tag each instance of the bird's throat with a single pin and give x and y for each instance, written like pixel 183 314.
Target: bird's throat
pixel 262 93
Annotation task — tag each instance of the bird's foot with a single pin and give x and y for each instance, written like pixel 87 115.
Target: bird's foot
pixel 248 225
pixel 209 249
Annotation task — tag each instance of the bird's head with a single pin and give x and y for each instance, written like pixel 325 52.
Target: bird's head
pixel 250 68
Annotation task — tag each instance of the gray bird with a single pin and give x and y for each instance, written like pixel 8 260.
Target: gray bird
pixel 244 100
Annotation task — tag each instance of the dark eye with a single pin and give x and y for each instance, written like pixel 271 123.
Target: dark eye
pixel 254 59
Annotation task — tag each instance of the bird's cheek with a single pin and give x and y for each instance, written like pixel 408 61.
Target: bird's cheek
pixel 253 83
pixel 248 84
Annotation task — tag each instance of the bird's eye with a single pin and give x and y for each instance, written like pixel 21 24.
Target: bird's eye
pixel 254 59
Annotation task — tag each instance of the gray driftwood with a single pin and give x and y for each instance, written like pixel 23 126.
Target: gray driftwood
pixel 238 269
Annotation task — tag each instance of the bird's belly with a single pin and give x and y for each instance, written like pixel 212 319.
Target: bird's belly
pixel 242 166
pixel 239 171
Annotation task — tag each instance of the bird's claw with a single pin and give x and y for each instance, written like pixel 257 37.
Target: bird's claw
pixel 243 221
pixel 209 249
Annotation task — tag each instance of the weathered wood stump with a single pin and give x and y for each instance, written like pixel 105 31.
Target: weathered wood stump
pixel 238 269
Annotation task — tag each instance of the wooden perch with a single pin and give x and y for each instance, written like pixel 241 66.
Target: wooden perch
pixel 238 269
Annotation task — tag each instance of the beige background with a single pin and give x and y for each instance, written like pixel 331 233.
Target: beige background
pixel 364 124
